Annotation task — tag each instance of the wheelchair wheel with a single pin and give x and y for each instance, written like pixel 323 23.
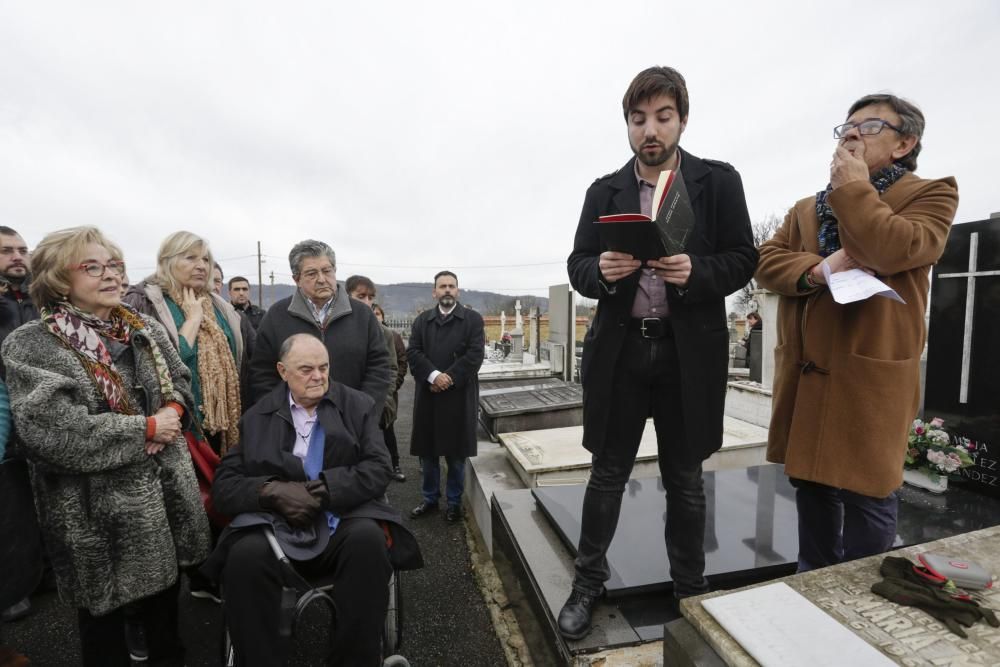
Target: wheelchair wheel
pixel 392 632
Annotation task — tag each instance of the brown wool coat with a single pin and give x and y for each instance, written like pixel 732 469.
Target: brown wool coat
pixel 845 425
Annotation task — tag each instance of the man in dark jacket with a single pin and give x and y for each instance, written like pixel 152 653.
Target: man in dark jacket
pixel 239 296
pixel 445 353
pixel 16 307
pixel 659 343
pixel 352 335
pixel 310 456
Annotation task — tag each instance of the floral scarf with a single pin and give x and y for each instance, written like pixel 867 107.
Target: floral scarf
pixel 829 235
pixel 81 332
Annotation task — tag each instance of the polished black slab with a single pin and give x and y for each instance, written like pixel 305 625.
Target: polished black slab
pixel 751 532
pixel 976 421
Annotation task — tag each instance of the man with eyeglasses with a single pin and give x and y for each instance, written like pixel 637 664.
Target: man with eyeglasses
pixel 322 307
pixel 846 381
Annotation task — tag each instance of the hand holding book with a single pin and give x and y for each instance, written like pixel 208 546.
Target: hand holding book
pixel 617 265
pixel 675 269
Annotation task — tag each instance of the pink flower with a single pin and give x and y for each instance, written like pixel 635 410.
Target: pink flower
pixel 919 430
pixel 937 421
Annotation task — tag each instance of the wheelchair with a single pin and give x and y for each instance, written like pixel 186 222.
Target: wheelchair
pixel 295 603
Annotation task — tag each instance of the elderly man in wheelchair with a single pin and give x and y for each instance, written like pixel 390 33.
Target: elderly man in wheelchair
pixel 311 466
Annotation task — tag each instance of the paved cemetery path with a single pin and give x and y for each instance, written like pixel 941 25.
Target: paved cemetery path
pixel 445 619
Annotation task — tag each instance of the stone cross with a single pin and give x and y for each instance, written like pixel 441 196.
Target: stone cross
pixel 503 323
pixel 518 320
pixel 970 300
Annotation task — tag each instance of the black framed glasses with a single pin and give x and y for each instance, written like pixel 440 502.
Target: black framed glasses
pixel 96 270
pixel 870 126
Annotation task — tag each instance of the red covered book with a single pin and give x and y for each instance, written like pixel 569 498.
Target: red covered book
pixel 664 234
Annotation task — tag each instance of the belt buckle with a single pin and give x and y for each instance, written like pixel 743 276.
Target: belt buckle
pixel 657 329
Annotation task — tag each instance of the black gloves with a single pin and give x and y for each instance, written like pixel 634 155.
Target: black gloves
pixel 903 585
pixel 317 489
pixel 293 500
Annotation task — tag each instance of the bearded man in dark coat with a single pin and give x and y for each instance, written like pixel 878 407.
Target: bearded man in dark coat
pixel 445 353
pixel 659 343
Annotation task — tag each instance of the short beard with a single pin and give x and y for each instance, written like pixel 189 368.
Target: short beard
pixel 447 301
pixel 14 280
pixel 655 160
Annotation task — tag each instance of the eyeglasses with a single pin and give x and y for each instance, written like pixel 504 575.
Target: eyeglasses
pixel 313 274
pixel 871 126
pixel 95 270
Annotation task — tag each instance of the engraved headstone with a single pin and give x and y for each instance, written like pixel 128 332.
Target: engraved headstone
pixel 963 358
pixel 530 409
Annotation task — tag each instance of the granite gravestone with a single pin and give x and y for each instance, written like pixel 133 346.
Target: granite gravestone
pixel 963 358
pixel 751 531
pixel 530 408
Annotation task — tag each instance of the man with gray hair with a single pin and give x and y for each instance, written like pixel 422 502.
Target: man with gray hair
pixel 320 307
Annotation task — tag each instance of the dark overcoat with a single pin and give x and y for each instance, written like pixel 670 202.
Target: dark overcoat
pixel 351 333
pixel 355 465
pixel 723 259
pixel 444 423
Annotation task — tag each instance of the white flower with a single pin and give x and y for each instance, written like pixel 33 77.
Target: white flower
pixel 938 437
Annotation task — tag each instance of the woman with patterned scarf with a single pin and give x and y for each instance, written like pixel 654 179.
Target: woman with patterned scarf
pixel 847 376
pixel 98 396
pixel 207 333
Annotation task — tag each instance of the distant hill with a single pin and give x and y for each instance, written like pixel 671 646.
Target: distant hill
pixel 406 299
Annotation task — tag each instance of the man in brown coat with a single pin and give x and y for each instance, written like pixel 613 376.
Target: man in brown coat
pixel 846 384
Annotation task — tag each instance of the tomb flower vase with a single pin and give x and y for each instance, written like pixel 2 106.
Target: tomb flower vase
pixel 925 479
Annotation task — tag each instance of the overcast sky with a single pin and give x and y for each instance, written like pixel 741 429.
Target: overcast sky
pixel 419 136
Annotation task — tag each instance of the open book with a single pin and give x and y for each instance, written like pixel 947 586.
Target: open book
pixel 664 234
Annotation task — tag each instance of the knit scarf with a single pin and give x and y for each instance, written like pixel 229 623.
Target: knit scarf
pixel 220 382
pixel 829 235
pixel 81 332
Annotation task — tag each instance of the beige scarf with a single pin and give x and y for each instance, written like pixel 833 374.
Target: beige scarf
pixel 220 382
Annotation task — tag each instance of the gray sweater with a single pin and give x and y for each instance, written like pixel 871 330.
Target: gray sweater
pixel 117 523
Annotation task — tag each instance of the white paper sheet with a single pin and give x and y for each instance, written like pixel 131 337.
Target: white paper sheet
pixel 779 628
pixel 856 285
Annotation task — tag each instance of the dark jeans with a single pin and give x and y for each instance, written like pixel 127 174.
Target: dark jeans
pixel 430 466
pixel 389 435
pixel 252 580
pixel 102 638
pixel 836 525
pixel 647 382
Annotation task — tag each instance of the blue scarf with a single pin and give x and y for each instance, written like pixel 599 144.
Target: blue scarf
pixel 829 235
pixel 313 464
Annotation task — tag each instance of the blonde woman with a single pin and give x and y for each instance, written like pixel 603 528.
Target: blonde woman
pixel 98 396
pixel 206 331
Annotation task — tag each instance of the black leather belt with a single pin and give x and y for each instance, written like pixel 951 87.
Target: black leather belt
pixel 652 327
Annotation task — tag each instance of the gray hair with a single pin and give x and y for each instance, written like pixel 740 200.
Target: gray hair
pixel 911 120
pixel 309 248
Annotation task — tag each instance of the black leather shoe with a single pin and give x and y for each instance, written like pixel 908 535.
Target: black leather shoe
pixel 398 475
pixel 423 509
pixel 574 617
pixel 453 514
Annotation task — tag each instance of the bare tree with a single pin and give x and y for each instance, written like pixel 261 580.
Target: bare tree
pixel 762 231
